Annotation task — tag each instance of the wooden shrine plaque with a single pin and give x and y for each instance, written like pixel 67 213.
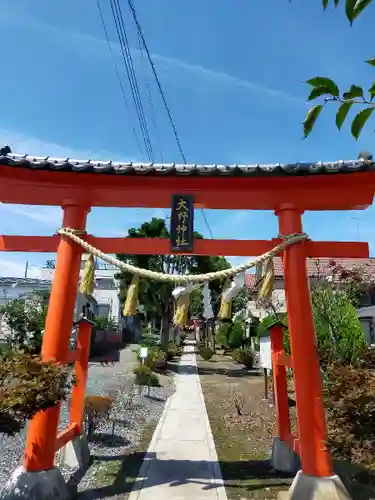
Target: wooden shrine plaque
pixel 182 223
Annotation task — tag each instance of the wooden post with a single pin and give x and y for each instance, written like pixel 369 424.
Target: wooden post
pixel 265 379
pixel 213 335
pixel 310 410
pixel 81 372
pixel 280 387
pixel 41 439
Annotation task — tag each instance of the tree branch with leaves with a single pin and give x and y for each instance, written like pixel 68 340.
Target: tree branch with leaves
pixel 327 91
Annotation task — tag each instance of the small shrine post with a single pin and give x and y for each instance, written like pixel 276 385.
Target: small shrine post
pixel 288 190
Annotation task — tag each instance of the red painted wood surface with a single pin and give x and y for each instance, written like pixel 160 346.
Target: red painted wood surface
pixel 159 246
pixel 280 383
pixel 66 435
pixel 42 431
pixel 311 192
pixel 312 430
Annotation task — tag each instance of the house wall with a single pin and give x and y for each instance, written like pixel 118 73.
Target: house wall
pixel 278 299
pixel 106 293
pixel 106 290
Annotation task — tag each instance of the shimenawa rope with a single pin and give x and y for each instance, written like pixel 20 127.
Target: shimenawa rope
pixel 175 278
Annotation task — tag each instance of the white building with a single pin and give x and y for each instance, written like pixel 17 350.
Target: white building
pixel 106 291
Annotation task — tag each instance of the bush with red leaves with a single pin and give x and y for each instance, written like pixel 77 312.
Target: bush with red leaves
pixel 350 403
pixel 27 385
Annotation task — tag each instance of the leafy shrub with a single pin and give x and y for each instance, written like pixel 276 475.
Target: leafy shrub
pixel 338 328
pixel 26 320
pixel 28 385
pixel 172 350
pixel 206 352
pixel 145 376
pixel 156 358
pixel 149 338
pixel 350 402
pixel 102 323
pixel 221 336
pixel 97 409
pixel 236 335
pixel 244 356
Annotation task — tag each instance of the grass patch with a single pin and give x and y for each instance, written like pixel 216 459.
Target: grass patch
pixel 117 475
pixel 243 425
pixel 129 465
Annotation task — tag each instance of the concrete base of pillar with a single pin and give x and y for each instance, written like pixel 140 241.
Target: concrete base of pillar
pixel 315 488
pixel 283 458
pixel 75 454
pixel 44 485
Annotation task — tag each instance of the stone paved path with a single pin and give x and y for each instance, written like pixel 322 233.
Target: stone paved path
pixel 181 462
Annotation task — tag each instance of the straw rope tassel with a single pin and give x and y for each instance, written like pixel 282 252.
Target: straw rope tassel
pixel 130 307
pixel 226 305
pixel 266 288
pixel 86 286
pixel 225 309
pixel 181 311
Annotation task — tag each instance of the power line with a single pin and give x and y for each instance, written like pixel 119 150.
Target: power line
pixel 139 29
pixel 117 72
pixel 148 89
pixel 207 223
pixel 124 43
pixel 128 62
pixel 143 40
pixel 126 54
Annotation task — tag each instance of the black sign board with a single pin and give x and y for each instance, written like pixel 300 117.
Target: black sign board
pixel 182 223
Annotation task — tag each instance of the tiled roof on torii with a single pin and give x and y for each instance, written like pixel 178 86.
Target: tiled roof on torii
pixel 47 163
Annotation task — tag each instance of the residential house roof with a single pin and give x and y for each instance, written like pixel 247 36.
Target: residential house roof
pixel 320 265
pixel 9 281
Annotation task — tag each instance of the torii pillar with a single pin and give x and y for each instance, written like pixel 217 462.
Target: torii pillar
pixel 316 479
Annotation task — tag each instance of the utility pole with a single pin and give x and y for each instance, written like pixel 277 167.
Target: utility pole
pixel 26 268
pixel 356 218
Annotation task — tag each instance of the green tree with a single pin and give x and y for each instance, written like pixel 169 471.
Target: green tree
pixel 157 297
pixel 327 91
pixel 337 325
pixel 240 301
pixel 25 319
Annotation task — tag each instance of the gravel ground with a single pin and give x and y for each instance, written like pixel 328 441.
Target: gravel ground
pixel 131 417
pixel 133 413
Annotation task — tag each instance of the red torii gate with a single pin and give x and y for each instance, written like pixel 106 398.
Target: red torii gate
pixel 288 190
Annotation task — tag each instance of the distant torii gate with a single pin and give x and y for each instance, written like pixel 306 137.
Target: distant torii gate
pixel 288 190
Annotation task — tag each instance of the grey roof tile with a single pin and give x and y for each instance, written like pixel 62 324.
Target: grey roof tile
pixel 164 169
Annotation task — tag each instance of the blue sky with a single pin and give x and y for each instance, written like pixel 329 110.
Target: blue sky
pixel 233 73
